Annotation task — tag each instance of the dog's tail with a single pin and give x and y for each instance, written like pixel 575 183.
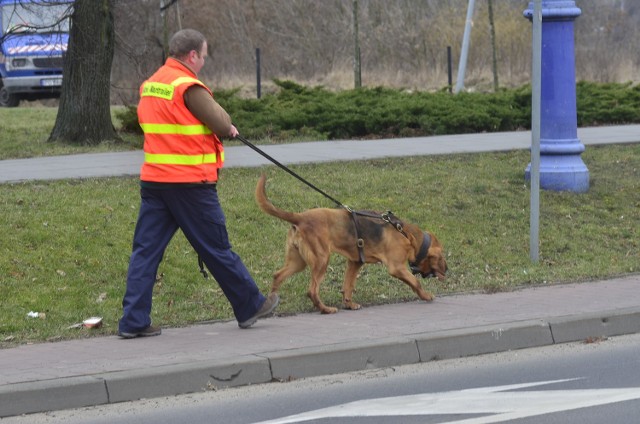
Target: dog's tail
pixel 268 207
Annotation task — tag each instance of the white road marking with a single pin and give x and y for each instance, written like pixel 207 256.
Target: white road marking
pixel 502 404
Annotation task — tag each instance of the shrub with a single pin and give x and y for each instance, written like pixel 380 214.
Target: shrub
pixel 315 112
pixel 129 120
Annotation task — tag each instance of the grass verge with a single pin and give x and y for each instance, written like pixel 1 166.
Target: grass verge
pixel 64 249
pixel 25 132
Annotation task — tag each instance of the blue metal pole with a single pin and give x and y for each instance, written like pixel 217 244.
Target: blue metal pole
pixel 561 167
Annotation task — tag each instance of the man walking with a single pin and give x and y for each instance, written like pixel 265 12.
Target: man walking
pixel 182 155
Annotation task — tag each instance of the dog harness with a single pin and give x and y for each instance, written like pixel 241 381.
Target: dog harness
pixel 390 218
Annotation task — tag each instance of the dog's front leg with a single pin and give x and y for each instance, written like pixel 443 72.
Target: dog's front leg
pixel 349 285
pixel 315 298
pixel 318 272
pixel 402 273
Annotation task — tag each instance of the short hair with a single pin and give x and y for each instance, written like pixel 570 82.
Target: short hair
pixel 183 41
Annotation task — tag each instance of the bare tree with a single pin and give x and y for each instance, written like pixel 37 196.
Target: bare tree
pixel 84 114
pixel 403 43
pixel 492 32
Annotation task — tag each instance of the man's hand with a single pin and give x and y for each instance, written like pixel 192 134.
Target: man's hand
pixel 234 131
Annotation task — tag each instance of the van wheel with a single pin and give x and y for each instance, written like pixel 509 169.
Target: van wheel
pixel 7 99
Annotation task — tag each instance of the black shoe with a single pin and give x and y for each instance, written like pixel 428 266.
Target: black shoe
pixel 267 307
pixel 147 332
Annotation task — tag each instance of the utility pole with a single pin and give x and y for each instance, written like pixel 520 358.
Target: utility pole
pixel 465 47
pixel 536 88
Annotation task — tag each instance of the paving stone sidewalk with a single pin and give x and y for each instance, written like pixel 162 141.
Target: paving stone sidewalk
pixel 62 375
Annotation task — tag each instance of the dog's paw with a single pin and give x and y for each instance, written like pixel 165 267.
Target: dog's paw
pixel 425 295
pixel 352 305
pixel 328 310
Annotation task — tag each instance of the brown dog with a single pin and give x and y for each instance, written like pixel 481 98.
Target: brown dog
pixel 316 233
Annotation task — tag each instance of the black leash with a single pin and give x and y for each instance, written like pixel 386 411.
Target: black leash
pixel 284 168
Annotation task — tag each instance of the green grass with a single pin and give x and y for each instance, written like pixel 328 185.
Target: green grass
pixel 25 132
pixel 65 245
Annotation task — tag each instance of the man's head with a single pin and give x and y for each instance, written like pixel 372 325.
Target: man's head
pixel 190 47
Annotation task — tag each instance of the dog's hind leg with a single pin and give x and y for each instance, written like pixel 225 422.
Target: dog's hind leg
pixel 348 287
pixel 316 253
pixel 293 264
pixel 402 273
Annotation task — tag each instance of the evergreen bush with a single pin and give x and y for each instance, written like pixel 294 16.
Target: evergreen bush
pixel 315 112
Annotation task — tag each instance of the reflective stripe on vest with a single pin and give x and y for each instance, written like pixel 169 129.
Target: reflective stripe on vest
pixel 166 159
pixel 175 129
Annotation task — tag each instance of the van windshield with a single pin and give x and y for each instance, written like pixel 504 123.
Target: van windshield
pixel 36 17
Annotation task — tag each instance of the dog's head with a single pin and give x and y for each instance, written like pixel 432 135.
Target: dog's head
pixel 430 261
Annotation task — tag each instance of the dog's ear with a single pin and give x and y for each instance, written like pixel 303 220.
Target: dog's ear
pixel 437 261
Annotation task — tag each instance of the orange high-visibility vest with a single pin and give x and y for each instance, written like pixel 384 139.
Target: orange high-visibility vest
pixel 178 148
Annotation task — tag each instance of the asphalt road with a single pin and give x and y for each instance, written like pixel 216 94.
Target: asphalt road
pixel 575 383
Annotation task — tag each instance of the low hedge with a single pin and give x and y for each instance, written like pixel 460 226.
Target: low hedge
pixel 315 112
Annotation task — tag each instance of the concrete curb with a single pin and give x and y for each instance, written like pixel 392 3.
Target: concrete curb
pixel 185 378
pixel 483 340
pixel 343 357
pixel 595 326
pixel 52 395
pixel 105 388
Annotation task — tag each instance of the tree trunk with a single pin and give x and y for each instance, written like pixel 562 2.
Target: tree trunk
pixel 84 114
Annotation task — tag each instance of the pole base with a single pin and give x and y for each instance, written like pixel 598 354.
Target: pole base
pixel 562 173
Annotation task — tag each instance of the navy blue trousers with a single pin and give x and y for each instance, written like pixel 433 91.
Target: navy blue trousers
pixel 197 212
